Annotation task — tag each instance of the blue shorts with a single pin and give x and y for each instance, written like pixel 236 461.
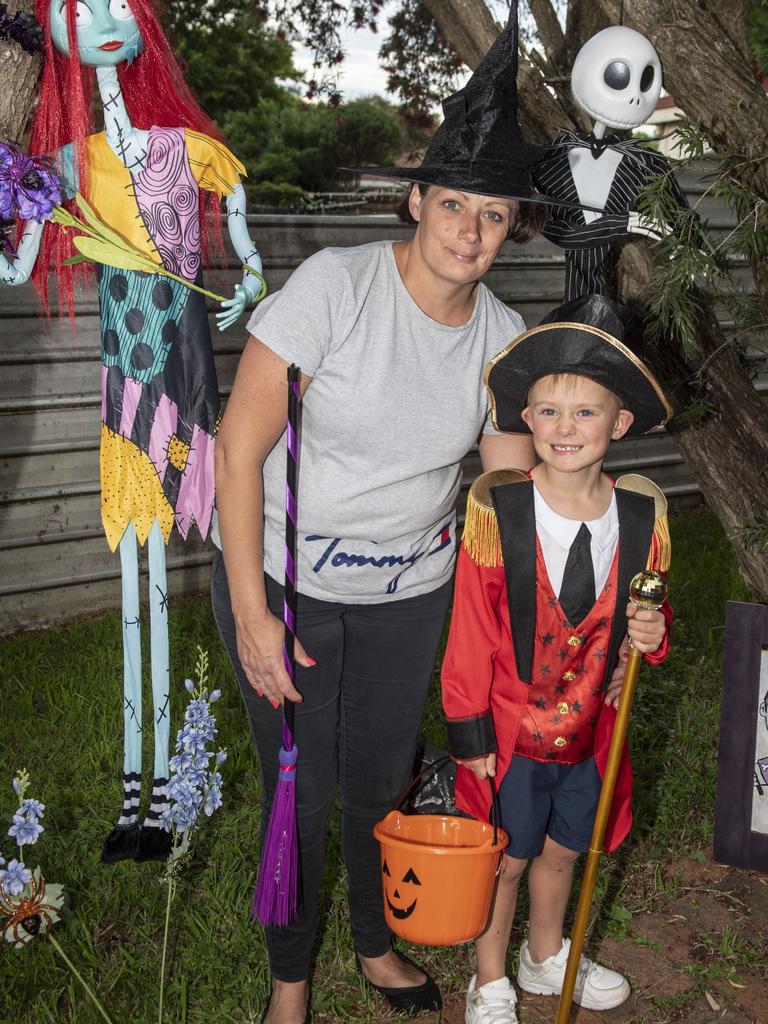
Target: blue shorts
pixel 538 799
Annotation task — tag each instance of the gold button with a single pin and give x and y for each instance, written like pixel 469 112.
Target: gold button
pixel 568 676
pixel 574 641
pixel 560 741
pixel 563 708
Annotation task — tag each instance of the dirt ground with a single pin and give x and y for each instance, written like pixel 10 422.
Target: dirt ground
pixel 688 960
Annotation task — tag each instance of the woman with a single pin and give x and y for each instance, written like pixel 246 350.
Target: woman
pixel 392 339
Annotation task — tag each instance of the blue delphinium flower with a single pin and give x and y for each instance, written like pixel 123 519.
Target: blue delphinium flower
pixel 25 829
pixel 195 784
pixel 33 808
pixel 15 877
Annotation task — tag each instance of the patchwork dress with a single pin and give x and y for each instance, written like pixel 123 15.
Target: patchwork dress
pixel 160 403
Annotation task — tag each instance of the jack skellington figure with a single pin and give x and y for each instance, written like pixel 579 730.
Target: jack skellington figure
pixel 616 81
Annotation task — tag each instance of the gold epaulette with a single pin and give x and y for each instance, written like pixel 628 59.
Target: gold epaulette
pixel 660 554
pixel 481 531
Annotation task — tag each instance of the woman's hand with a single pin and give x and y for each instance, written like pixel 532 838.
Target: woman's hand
pixel 646 628
pixel 260 648
pixel 482 767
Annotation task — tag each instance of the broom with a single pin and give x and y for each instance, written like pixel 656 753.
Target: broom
pixel 275 896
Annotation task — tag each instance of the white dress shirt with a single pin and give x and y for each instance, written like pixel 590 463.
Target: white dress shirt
pixel 556 534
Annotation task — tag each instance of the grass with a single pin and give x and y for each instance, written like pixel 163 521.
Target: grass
pixel 60 718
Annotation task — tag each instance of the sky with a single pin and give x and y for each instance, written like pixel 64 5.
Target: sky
pixel 361 74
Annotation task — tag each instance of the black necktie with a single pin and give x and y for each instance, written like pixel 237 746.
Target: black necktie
pixel 577 594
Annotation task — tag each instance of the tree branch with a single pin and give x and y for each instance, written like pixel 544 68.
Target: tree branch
pixel 470 30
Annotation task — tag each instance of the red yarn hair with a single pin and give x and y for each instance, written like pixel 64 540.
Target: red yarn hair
pixel 155 93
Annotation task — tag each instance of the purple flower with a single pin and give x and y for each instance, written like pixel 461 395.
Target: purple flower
pixel 212 800
pixel 221 756
pixel 29 188
pixel 25 830
pixel 21 27
pixel 190 686
pixel 15 877
pixel 33 808
pixel 183 816
pixel 197 711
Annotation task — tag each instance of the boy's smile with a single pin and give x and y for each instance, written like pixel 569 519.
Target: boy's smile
pixel 573 420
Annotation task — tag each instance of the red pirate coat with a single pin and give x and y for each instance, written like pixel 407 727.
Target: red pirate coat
pixel 507 627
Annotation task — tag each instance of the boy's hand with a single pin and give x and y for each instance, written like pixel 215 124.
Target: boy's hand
pixel 482 767
pixel 646 628
pixel 613 692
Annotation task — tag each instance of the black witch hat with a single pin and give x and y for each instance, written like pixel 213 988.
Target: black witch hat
pixel 479 147
pixel 589 337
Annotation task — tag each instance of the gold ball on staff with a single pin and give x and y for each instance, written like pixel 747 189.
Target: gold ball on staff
pixel 648 590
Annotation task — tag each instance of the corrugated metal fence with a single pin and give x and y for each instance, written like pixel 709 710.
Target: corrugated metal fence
pixel 54 561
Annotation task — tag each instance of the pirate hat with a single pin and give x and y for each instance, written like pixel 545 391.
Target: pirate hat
pixel 589 337
pixel 479 147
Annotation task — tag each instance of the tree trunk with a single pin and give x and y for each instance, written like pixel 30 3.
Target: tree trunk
pixel 19 72
pixel 726 446
pixel 470 30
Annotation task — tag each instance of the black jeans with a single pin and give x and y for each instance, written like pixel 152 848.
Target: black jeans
pixel 358 724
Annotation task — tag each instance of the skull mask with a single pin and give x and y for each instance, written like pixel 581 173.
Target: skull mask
pixel 616 78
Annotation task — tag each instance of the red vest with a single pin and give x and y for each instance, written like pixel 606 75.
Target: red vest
pixel 566 691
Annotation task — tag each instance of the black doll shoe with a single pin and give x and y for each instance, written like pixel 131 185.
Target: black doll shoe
pixel 416 999
pixel 154 844
pixel 120 844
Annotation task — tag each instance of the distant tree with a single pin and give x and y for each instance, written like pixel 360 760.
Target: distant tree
pixel 234 61
pixel 304 144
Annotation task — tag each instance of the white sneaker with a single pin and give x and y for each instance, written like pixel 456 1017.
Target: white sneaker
pixel 597 988
pixel 493 1003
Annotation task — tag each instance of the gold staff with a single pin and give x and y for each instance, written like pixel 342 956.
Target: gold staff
pixel 648 589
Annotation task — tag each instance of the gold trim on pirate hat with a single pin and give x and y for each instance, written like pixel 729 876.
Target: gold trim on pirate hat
pixel 589 337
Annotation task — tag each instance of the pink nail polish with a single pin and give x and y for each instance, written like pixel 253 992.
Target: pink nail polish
pixel 259 693
pixel 311 662
pixel 275 704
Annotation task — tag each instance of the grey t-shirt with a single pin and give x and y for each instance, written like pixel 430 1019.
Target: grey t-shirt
pixel 396 401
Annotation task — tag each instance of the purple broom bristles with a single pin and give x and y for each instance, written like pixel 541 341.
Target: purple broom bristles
pixel 275 896
pixel 274 900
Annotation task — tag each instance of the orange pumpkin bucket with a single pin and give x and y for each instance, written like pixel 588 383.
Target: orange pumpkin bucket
pixel 438 873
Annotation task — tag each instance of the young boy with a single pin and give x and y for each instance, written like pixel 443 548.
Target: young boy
pixel 539 614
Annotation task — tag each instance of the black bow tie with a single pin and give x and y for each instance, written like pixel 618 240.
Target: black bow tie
pixel 597 146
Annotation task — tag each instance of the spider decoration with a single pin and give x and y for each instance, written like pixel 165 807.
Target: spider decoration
pixel 30 913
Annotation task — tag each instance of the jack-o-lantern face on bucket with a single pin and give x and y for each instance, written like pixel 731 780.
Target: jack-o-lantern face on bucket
pixel 401 912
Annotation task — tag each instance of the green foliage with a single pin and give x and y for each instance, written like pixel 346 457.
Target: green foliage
pixel 688 270
pixel 682 259
pixel 278 195
pixel 233 60
pixel 60 717
pixel 304 144
pixel 757 32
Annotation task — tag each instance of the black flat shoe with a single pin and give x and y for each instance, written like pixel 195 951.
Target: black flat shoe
pixel 413 999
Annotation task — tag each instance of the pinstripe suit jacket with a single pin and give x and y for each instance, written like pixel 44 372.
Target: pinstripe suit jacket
pixel 587 245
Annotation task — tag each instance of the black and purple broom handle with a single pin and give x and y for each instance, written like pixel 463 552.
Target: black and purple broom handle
pixel 290 598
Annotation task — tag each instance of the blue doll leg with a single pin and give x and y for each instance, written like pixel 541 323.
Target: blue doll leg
pixel 155 842
pixel 122 842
